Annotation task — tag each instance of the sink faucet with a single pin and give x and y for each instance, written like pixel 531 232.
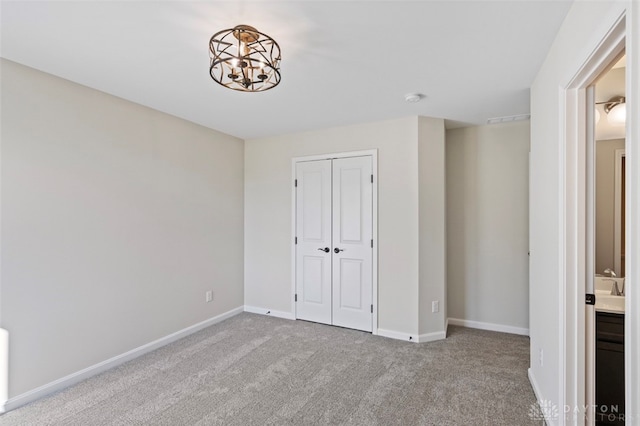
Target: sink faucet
pixel 615 290
pixel 610 272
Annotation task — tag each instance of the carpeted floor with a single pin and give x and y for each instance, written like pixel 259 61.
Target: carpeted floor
pixel 253 369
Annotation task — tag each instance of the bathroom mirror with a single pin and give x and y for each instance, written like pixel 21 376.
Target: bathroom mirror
pixel 610 206
pixel 609 174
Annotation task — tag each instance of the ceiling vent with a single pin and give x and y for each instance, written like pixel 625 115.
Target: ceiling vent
pixel 509 118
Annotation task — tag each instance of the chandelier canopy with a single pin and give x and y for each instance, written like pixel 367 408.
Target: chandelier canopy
pixel 244 59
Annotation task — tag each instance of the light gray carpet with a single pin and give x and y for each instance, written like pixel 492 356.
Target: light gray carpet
pixel 253 369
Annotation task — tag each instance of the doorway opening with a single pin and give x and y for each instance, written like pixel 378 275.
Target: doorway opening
pixel 578 262
pixel 606 377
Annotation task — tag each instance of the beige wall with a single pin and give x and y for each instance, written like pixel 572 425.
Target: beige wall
pixel 432 246
pixel 115 221
pixel 605 205
pixel 268 282
pixel 487 224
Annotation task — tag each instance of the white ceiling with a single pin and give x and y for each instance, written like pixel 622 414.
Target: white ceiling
pixel 343 62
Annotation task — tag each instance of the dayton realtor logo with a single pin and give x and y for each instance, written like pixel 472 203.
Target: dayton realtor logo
pixel 545 410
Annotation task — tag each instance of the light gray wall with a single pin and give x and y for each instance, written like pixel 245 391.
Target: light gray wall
pixel 268 198
pixel 605 204
pixel 268 183
pixel 115 221
pixel 487 224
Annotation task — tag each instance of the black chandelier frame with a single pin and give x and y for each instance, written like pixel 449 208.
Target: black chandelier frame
pixel 244 59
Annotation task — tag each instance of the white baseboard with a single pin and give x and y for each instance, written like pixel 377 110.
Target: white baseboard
pixel 421 338
pixel 270 312
pixel 489 326
pixel 534 384
pixel 538 395
pixel 397 335
pixel 432 337
pixel 95 369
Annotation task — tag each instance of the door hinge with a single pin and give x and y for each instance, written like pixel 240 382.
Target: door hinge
pixel 371 308
pixel 590 299
pixel 296 240
pixel 371 243
pixel 296 298
pixel 371 178
pixel 295 183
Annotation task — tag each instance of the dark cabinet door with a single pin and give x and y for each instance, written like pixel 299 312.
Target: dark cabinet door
pixel 609 369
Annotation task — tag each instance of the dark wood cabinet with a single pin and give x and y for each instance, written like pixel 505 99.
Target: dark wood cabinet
pixel 609 368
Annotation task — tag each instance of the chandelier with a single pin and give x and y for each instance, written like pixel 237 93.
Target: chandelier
pixel 244 59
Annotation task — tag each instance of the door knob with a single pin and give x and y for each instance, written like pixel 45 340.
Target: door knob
pixel 337 250
pixel 326 249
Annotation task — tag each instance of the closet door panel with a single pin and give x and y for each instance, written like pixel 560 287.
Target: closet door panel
pixel 313 249
pixel 352 234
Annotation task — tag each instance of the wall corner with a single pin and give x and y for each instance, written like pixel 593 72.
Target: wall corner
pixel 432 227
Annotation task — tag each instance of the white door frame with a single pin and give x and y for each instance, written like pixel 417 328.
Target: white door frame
pixel 373 153
pixel 617 223
pixel 4 368
pixel 574 204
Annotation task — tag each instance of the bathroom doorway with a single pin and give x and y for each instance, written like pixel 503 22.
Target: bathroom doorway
pixel 605 343
pixel 577 223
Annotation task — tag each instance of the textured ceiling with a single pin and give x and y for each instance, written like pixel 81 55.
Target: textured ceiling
pixel 343 62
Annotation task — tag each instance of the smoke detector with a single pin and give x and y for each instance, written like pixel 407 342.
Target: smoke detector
pixel 412 98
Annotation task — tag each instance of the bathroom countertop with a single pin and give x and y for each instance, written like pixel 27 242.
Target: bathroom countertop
pixel 609 303
pixel 609 310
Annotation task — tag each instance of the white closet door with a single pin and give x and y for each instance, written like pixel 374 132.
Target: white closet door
pixel 352 251
pixel 313 250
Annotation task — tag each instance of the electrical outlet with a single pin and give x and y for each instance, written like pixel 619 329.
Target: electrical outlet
pixel 435 306
pixel 208 296
pixel 541 352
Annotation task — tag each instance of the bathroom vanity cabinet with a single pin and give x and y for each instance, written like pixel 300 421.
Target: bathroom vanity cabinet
pixel 609 368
